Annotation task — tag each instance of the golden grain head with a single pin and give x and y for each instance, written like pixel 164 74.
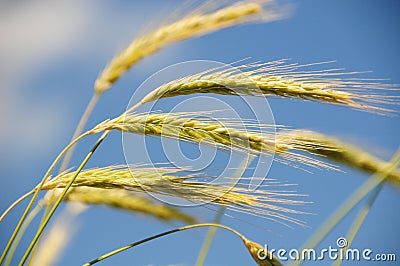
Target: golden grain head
pixel 264 141
pixel 279 79
pixel 341 152
pixel 285 143
pixel 269 204
pixel 194 24
pixel 127 200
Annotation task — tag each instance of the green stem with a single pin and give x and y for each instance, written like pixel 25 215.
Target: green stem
pixel 67 158
pixel 35 211
pixel 349 204
pixel 79 128
pixel 114 252
pixel 59 199
pixel 220 213
pixel 45 213
pixel 359 220
pixel 35 195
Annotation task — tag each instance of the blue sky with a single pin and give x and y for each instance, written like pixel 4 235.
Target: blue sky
pixel 53 51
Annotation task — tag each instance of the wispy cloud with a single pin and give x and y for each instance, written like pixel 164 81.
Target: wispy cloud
pixel 34 33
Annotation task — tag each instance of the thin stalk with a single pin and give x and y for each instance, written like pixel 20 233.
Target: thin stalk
pixel 358 221
pixel 79 128
pixel 218 217
pixel 35 211
pixel 349 204
pixel 210 237
pixel 114 252
pixel 35 195
pixel 59 199
pixel 45 213
pixel 59 234
pixel 18 201
pixel 67 158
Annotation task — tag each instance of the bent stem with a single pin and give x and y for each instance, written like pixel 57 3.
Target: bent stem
pixel 373 182
pixel 59 199
pixel 18 201
pixel 79 128
pixel 35 195
pixel 114 252
pixel 218 217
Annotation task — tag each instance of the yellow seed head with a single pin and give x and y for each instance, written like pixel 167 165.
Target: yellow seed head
pixel 187 27
pixel 261 256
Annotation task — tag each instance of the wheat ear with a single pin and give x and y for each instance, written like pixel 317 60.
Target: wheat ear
pixel 283 80
pixel 192 25
pixel 285 142
pixel 262 203
pixel 341 152
pixel 126 200
pixel 210 132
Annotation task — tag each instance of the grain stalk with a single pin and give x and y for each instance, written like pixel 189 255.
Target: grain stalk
pixel 59 234
pixel 35 211
pixel 254 248
pixel 59 199
pixel 35 195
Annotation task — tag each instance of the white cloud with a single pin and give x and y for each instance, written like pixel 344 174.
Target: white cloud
pixel 34 33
